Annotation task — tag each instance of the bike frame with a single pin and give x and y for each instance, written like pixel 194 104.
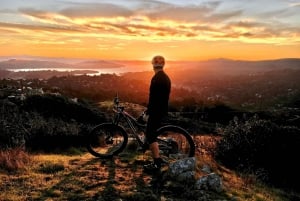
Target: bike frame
pixel 130 120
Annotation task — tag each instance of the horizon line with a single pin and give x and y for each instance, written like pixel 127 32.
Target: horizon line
pixel 33 57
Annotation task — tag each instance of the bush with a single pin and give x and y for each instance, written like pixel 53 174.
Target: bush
pixel 46 122
pixel 243 141
pixel 56 106
pixel 256 145
pixel 11 132
pixel 14 159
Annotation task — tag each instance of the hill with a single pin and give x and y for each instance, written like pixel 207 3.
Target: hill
pixel 52 65
pixel 224 66
pixel 33 64
pixel 57 166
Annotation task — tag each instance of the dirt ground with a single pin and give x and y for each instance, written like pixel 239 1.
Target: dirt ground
pixel 54 177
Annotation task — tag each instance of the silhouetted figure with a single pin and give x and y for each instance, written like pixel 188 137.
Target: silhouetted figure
pixel 157 109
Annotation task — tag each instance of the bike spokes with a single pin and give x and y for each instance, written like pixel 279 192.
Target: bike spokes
pixel 174 145
pixel 107 140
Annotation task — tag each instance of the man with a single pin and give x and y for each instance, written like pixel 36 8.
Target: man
pixel 157 109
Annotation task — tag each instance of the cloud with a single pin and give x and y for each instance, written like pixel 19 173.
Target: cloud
pixel 294 3
pixel 3 30
pixel 34 12
pixel 279 13
pixel 6 11
pixel 95 10
pixel 36 27
pixel 223 16
pixel 183 13
pixel 157 21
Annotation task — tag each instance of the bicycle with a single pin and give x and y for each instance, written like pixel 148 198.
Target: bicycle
pixel 109 139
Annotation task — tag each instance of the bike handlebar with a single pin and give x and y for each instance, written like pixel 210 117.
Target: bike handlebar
pixel 116 100
pixel 117 106
pixel 121 109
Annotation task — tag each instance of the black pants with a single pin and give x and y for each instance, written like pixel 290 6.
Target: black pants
pixel 154 122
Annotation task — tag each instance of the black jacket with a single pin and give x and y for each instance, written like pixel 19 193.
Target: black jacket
pixel 159 93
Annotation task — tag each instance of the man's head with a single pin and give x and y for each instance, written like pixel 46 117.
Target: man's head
pixel 158 62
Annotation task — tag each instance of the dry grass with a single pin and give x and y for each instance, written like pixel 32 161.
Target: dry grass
pixel 14 159
pixel 84 177
pixel 61 177
pixel 239 187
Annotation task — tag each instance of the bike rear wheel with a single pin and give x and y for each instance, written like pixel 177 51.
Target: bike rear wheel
pixel 175 143
pixel 107 140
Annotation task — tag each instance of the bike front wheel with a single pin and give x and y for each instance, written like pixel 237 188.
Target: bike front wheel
pixel 175 143
pixel 107 140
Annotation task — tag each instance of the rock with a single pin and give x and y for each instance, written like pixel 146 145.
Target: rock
pixel 184 171
pixel 211 181
pixel 180 166
pixel 206 169
pixel 186 176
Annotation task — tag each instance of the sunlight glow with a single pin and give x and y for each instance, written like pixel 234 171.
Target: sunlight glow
pixel 179 31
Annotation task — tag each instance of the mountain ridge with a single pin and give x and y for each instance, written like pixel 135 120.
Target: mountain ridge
pixel 217 64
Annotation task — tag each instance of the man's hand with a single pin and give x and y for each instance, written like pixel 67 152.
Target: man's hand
pixel 143 118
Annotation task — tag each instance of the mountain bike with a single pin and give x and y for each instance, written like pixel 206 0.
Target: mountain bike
pixel 109 139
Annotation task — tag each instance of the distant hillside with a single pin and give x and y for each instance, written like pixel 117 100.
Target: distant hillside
pixel 44 64
pixel 220 66
pixel 32 64
pixel 92 64
pixel 238 66
pixel 218 69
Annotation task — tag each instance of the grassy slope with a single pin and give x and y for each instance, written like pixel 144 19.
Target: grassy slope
pixel 84 177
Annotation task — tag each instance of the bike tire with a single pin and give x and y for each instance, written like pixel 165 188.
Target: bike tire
pixel 107 140
pixel 175 143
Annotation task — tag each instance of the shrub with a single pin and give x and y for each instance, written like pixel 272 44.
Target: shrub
pixel 14 159
pixel 11 132
pixel 243 141
pixel 62 107
pixel 256 145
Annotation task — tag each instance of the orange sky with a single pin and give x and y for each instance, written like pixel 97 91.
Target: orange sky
pixel 179 30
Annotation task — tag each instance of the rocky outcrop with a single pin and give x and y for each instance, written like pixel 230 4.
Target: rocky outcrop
pixel 184 171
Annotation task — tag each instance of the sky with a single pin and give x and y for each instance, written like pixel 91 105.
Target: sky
pixel 138 29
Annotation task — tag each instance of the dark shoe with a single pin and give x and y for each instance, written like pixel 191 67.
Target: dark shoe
pixel 143 148
pixel 151 168
pixel 155 166
pixel 160 162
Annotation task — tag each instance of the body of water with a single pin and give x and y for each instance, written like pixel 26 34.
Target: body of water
pixel 117 71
